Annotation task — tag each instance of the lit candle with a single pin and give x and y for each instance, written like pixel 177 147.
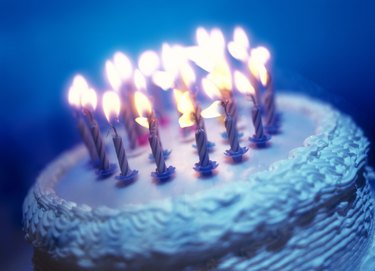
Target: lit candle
pixel 74 97
pixel 235 152
pixel 111 108
pixel 89 103
pixel 190 116
pixel 259 139
pixel 272 121
pixel 147 119
pixel 114 79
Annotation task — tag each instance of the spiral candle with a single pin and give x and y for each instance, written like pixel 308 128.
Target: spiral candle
pixel 155 145
pixel 257 122
pixel 230 126
pixel 104 163
pixel 201 141
pixel 121 155
pixel 87 140
pixel 130 128
pixel 269 106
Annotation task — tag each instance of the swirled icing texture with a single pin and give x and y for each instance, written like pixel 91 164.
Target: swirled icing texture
pixel 313 211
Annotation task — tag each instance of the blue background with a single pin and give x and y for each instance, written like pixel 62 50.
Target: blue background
pixel 43 43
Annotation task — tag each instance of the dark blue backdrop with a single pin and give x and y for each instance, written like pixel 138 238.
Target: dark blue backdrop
pixel 43 43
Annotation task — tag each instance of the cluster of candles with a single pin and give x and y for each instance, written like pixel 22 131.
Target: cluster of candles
pixel 137 96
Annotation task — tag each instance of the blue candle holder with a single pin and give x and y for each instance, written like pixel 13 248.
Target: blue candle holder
pixel 104 173
pixel 129 178
pixel 260 142
pixel 236 155
pixel 206 170
pixel 162 177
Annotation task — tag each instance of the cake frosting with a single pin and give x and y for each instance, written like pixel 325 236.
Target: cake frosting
pixel 303 204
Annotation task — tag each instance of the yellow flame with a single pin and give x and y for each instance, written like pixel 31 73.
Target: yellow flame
pixel 242 83
pixel 148 62
pixel 89 99
pixel 221 76
pixel 211 89
pixel 217 39
pixel 139 80
pixel 111 105
pixel 186 120
pixel 212 111
pixel 200 58
pixel 112 74
pixel 183 101
pixel 187 74
pixel 79 85
pixel 142 121
pixel 163 79
pixel 142 104
pixel 123 65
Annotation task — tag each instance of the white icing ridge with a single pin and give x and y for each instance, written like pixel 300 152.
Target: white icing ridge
pixel 313 211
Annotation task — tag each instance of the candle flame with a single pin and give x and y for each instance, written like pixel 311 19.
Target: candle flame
pixel 239 47
pixel 243 84
pixel 211 89
pixel 139 80
pixel 183 101
pixel 123 65
pixel 79 85
pixel 221 76
pixel 187 74
pixel 142 104
pixel 186 120
pixel 260 54
pixel 202 36
pixel 172 58
pixel 113 76
pixel 89 100
pixel 214 110
pixel 163 79
pixel 148 62
pixel 111 105
pixel 259 70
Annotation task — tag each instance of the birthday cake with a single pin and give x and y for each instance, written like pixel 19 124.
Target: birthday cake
pixel 214 194
pixel 302 204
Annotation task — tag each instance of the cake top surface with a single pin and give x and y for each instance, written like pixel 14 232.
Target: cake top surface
pixel 80 184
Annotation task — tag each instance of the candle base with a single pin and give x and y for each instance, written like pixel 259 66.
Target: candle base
pixel 206 170
pixel 236 155
pixel 261 142
pixel 166 154
pixel 162 177
pixel 210 146
pixel 129 178
pixel 104 173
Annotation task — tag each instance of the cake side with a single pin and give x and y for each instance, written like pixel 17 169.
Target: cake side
pixel 268 210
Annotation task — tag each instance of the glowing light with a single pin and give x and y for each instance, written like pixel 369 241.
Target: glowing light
pixel 79 85
pixel 239 47
pixel 111 105
pixel 186 120
pixel 187 74
pixel 89 100
pixel 259 71
pixel 202 36
pixel 173 57
pixel 213 111
pixel 142 104
pixel 211 89
pixel 112 74
pixel 260 54
pixel 123 65
pixel 148 62
pixel 217 39
pixel 163 79
pixel 243 84
pixel 183 101
pixel 221 76
pixel 139 80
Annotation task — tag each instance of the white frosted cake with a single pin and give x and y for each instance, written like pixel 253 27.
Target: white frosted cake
pixel 303 203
